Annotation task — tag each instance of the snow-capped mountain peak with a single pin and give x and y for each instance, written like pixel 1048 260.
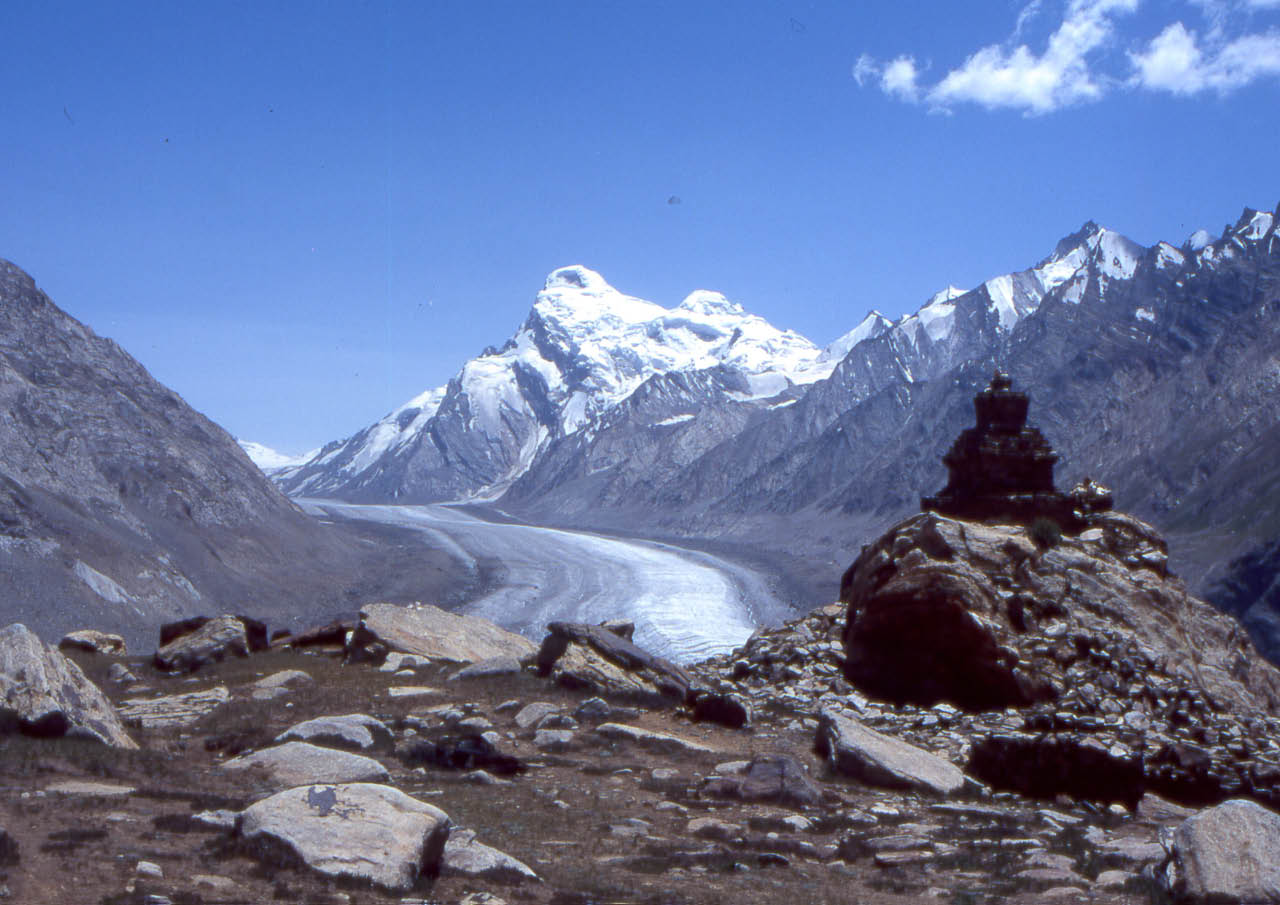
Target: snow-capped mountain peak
pixel 871 326
pixel 584 347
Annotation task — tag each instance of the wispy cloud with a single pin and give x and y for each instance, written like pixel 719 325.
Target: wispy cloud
pixel 1080 61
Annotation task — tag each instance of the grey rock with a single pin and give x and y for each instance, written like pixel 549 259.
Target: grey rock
pixel 285 678
pixel 531 714
pixel 168 711
pixel 654 741
pixel 776 778
pixel 299 763
pixel 436 634
pixel 43 693
pixel 593 710
pixel 592 657
pixel 215 640
pixel 1226 853
pixel 120 673
pixel 358 830
pixel 464 856
pixel 94 642
pixel 356 731
pixel 488 669
pixel 553 739
pixel 864 754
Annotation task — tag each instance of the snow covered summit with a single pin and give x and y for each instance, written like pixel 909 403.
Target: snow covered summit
pixel 584 347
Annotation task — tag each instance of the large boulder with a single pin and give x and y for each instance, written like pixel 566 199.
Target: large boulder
pixel 300 763
pixel 43 693
pixel 1088 635
pixel 597 658
pixel 209 641
pixel 436 634
pixel 362 831
pixel 1225 854
pixel 861 753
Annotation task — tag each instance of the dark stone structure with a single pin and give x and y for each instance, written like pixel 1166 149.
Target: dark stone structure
pixel 1002 470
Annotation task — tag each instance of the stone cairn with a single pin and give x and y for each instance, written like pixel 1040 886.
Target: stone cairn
pixel 1002 470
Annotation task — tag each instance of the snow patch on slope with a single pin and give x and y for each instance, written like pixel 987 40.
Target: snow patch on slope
pixel 269 460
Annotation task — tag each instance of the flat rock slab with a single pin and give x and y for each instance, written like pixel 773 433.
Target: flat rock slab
pixel 654 741
pixel 172 710
pixel 79 787
pixel 299 763
pixel 464 856
pixel 436 634
pixel 879 760
pixel 359 830
pixel 43 693
pixel 357 731
pixel 1227 853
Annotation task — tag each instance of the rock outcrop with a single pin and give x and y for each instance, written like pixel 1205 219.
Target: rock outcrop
pixel 1091 638
pixel 42 693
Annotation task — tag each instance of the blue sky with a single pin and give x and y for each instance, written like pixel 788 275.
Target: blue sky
pixel 300 215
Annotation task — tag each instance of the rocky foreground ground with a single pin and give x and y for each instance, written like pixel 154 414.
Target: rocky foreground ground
pixel 419 756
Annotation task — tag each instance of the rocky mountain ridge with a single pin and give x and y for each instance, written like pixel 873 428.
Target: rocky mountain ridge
pixel 122 506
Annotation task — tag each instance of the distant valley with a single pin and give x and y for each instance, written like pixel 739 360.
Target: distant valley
pixel 1151 369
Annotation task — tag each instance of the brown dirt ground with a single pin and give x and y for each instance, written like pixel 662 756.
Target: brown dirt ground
pixel 560 817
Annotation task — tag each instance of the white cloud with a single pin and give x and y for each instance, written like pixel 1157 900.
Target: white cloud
pixel 1172 62
pixel 899 79
pixel 1175 62
pixel 1079 64
pixel 865 69
pixel 1021 80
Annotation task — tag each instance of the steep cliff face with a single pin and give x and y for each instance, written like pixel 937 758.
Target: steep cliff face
pixel 120 505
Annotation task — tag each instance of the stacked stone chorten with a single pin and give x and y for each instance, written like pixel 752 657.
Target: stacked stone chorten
pixel 1002 470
